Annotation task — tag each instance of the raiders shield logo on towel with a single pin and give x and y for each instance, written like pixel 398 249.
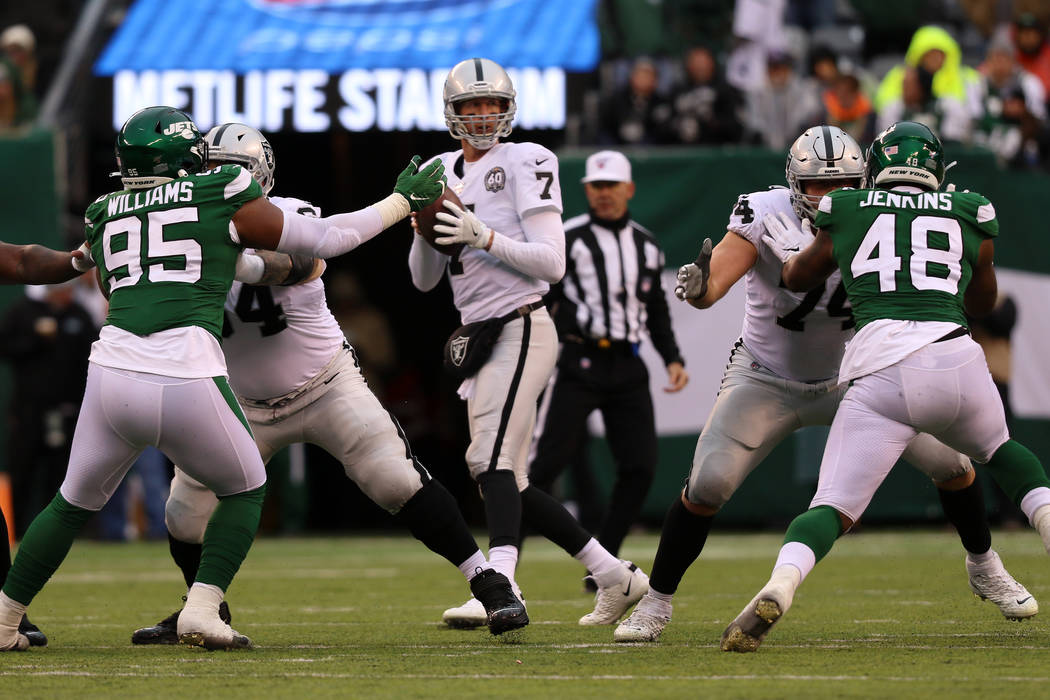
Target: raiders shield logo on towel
pixel 457 349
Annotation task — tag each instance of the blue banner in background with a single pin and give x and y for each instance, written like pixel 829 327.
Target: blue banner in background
pixel 338 35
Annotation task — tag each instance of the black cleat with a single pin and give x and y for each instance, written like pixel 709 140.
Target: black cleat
pixel 32 633
pixel 505 611
pixel 166 631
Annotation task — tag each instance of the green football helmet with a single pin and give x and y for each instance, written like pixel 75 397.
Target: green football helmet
pixel 906 153
pixel 159 144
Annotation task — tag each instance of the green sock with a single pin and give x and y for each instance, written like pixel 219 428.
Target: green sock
pixel 229 536
pixel 1016 470
pixel 817 528
pixel 45 545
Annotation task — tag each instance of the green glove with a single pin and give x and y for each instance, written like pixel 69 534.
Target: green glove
pixel 421 187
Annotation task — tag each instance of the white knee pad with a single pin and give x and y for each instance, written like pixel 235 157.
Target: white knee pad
pixel 188 509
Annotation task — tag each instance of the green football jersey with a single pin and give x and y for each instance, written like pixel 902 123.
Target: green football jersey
pixel 906 256
pixel 165 253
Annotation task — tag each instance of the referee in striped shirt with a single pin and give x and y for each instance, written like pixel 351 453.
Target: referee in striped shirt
pixel 610 299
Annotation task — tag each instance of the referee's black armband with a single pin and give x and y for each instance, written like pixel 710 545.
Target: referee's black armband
pixel 302 267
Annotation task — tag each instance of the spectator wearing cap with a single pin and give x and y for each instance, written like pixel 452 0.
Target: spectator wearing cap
pixel 18 53
pixel 1033 50
pixel 1014 120
pixel 706 107
pixel 637 114
pixel 783 106
pixel 19 44
pixel 609 302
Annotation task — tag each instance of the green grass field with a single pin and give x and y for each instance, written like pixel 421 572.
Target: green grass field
pixel 887 614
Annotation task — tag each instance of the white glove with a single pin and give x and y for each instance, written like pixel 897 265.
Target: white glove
pixel 784 237
pixel 85 262
pixel 461 226
pixel 693 278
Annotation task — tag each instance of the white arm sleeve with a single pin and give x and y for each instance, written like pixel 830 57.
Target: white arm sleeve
pixel 542 254
pixel 330 236
pixel 426 264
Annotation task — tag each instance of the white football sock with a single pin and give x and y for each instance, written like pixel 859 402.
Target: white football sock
pixel 11 611
pixel 657 595
pixel 474 565
pixel 799 556
pixel 204 595
pixel 1034 500
pixel 596 558
pixel 504 559
pixel 1041 522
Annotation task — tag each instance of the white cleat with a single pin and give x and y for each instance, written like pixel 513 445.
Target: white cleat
pixel 467 616
pixel 612 601
pixel 646 623
pixel 991 581
pixel 747 630
pixel 201 626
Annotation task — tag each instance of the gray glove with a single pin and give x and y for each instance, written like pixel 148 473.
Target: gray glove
pixel 693 278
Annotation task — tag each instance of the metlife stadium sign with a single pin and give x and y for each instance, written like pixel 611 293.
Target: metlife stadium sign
pixel 314 65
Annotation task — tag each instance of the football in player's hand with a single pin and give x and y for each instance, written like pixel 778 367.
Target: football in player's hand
pixel 427 217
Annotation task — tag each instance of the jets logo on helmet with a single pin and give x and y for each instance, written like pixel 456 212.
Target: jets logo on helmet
pixel 821 153
pixel 245 146
pixel 468 80
pixel 906 153
pixel 157 145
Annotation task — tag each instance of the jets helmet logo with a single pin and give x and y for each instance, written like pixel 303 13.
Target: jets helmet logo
pixel 458 349
pixel 183 129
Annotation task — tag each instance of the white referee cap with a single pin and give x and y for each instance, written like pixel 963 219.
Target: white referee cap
pixel 607 166
pixel 18 35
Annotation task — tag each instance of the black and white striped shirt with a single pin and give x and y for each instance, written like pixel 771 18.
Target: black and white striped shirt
pixel 612 289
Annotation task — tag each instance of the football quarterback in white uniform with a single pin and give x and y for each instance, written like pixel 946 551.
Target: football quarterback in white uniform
pixel 298 381
pixel 782 376
pixel 514 248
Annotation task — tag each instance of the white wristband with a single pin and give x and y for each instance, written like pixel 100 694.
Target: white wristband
pixel 250 268
pixel 85 263
pixel 392 209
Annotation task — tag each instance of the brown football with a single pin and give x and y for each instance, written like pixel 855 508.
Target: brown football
pixel 427 217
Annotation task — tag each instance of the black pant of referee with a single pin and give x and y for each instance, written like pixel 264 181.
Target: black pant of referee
pixel 610 377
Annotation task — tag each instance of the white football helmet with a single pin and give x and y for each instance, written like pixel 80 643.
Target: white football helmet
pixel 478 77
pixel 245 146
pixel 821 153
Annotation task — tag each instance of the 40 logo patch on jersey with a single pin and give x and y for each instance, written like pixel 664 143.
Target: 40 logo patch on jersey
pixel 495 179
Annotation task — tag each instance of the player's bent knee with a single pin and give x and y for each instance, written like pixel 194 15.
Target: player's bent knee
pixel 188 509
pixel 957 483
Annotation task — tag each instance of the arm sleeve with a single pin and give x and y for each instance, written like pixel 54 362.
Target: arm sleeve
pixel 542 254
pixel 330 236
pixel 426 265
pixel 659 323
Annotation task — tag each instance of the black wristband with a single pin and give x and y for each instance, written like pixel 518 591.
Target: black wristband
pixel 302 267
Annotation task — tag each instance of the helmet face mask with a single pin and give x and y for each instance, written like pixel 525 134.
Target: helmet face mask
pixel 157 145
pixel 906 153
pixel 469 80
pixel 824 153
pixel 245 146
